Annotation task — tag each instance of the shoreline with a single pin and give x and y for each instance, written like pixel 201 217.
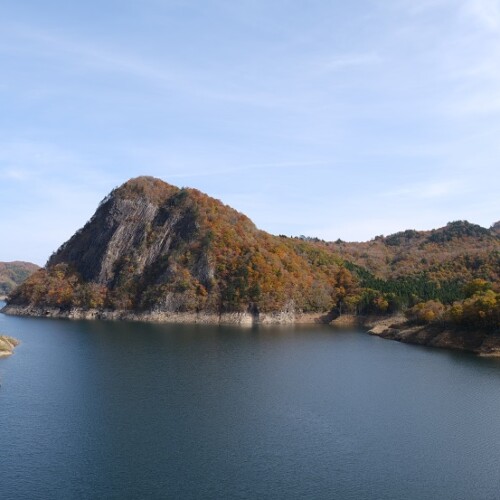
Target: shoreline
pixel 394 327
pixel 7 345
pixel 442 336
pixel 285 317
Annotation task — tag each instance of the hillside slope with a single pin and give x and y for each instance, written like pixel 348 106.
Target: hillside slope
pixel 460 248
pixel 152 246
pixel 13 274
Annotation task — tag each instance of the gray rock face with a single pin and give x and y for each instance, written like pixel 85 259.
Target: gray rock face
pixel 152 247
pixel 137 231
pixel 284 317
pixel 117 226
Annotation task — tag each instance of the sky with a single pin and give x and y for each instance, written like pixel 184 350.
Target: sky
pixel 322 118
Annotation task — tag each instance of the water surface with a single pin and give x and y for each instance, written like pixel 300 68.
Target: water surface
pixel 94 409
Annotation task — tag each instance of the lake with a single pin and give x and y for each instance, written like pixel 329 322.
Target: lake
pixel 94 409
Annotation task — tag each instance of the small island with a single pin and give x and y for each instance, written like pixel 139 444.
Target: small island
pixel 7 345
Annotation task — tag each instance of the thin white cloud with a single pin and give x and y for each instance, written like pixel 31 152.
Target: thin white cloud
pixel 457 59
pixel 422 6
pixel 36 42
pixel 46 165
pixel 401 106
pixel 83 55
pixel 485 12
pixel 14 174
pixel 249 167
pixel 347 61
pixel 434 189
pixel 480 104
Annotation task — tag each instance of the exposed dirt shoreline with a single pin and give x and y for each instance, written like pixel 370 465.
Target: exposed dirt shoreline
pixel 397 328
pixel 236 318
pixel 7 345
pixel 393 327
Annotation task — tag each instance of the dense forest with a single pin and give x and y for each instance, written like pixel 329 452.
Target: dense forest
pixel 449 275
pixel 153 246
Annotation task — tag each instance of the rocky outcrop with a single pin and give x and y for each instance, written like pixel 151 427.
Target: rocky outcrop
pixel 151 246
pixel 123 226
pixel 285 317
pixel 7 345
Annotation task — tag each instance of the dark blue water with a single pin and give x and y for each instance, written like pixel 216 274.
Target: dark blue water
pixel 119 410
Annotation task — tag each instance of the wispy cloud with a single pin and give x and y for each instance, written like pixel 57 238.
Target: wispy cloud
pixel 86 56
pixel 479 104
pixel 346 61
pixel 439 189
pixel 459 58
pixel 50 168
pixel 47 193
pixel 293 114
pixel 422 6
pixel 485 12
pixel 14 173
pixel 250 167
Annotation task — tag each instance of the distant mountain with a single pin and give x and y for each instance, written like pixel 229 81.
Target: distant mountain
pixel 13 274
pixel 152 247
pixel 459 251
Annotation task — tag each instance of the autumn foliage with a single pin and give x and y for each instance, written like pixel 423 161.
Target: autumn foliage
pixel 211 258
pixel 152 246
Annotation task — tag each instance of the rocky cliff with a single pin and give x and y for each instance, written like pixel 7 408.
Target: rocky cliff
pixel 154 248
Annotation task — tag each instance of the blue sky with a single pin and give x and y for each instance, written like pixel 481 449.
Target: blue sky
pixel 324 118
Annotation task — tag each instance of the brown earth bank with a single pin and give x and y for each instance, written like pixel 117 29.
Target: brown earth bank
pixel 7 345
pixel 482 343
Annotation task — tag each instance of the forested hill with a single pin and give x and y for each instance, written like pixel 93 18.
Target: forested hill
pixel 459 248
pixel 13 274
pixel 153 246
pixel 446 275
